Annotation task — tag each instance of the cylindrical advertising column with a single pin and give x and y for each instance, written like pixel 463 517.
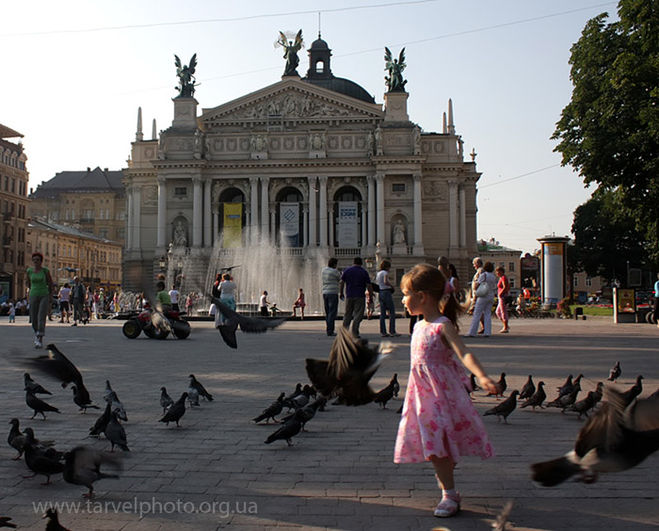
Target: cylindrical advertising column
pixel 554 268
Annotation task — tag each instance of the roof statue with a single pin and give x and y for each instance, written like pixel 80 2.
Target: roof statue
pixel 186 77
pixel 291 47
pixel 395 67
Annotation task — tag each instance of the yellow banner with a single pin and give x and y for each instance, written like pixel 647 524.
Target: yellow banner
pixel 233 227
pixel 554 248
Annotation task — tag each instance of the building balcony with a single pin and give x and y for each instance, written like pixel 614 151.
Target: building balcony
pixel 7 217
pixel 6 241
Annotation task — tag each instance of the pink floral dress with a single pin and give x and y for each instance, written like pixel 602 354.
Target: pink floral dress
pixel 438 417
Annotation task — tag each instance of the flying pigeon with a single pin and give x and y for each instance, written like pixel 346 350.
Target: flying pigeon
pixel 613 439
pixel 82 466
pixel 233 320
pixel 505 408
pixel 271 411
pixel 537 399
pixel 528 389
pixel 56 365
pixel 347 371
pixel 175 411
pixel 33 386
pixel 615 372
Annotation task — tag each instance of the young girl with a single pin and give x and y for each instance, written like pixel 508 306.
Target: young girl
pixel 503 288
pixel 439 423
pixel 299 303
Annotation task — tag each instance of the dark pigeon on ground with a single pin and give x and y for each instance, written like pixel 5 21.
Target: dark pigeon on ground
pixel 271 411
pixel 109 393
pixel 565 401
pixel 615 372
pixel 193 396
pixel 116 405
pixel 44 462
pixel 5 521
pixel 101 422
pixel 585 405
pixel 33 386
pixel 165 400
pixel 82 399
pixel 82 466
pixel 116 434
pixel 289 429
pixel 307 412
pixel 299 400
pixel 250 325
pixel 349 368
pixel 599 392
pixel 537 399
pixel 38 405
pixel 566 387
pixel 615 438
pixel 53 521
pixel 384 395
pixel 501 386
pixel 200 388
pixel 528 389
pixel 17 439
pixel 630 394
pixel 505 408
pixel 175 411
pixel 569 387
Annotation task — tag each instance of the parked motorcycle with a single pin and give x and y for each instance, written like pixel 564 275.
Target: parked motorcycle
pixel 143 322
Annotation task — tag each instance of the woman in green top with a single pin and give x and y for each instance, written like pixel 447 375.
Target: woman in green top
pixel 40 284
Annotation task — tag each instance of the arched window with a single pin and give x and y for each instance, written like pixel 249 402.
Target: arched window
pixel 320 66
pixel 347 217
pixel 232 217
pixel 289 217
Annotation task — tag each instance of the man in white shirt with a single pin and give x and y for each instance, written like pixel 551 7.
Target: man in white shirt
pixel 330 277
pixel 173 294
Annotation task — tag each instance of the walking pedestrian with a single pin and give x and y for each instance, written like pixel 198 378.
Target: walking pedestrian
pixel 386 300
pixel 64 298
pixel 228 293
pixel 439 422
pixel 40 284
pixel 356 282
pixel 78 298
pixel 503 288
pixel 12 311
pixel 299 303
pixel 330 278
pixel 263 304
pixel 486 286
pixel 174 295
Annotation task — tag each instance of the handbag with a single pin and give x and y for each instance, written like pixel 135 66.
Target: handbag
pixel 482 290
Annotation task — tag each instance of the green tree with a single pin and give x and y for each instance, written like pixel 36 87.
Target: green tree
pixel 609 132
pixel 606 241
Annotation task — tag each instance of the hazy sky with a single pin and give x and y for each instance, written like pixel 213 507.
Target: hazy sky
pixel 75 73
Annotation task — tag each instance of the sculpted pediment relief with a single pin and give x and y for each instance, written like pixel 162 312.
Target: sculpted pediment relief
pixel 292 103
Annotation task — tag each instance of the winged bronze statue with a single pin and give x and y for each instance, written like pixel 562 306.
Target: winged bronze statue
pixel 291 47
pixel 395 67
pixel 186 77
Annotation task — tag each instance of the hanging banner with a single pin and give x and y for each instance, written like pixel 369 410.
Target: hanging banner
pixel 233 227
pixel 348 226
pixel 289 224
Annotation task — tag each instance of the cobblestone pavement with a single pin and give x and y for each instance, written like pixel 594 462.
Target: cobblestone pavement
pixel 215 472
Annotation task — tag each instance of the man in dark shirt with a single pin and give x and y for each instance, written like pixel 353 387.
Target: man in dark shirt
pixel 356 282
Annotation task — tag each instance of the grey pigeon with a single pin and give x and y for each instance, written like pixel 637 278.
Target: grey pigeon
pixel 501 386
pixel 585 405
pixel 613 439
pixel 505 408
pixel 537 399
pixel 299 400
pixel 116 434
pixel 175 411
pixel 566 387
pixel 349 368
pixel 101 422
pixel 631 393
pixel 82 466
pixel 569 386
pixel 599 392
pixel 109 392
pixel 17 439
pixel 387 393
pixel 82 399
pixel 165 400
pixel 44 462
pixel 233 320
pixel 289 429
pixel 565 401
pixel 38 405
pixel 193 396
pixel 53 520
pixel 307 412
pixel 615 372
pixel 528 389
pixel 271 411
pixel 200 388
pixel 116 405
pixel 396 384
pixel 33 386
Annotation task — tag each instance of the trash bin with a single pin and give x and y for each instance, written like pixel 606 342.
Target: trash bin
pixel 578 312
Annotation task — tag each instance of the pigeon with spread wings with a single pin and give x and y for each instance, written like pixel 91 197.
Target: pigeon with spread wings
pixel 233 320
pixel 350 366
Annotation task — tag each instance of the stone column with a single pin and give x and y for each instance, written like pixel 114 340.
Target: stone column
pixel 216 213
pixel 463 217
pixel 371 212
pixel 305 225
pixel 162 213
pixel 253 208
pixel 130 219
pixel 363 238
pixel 197 212
pixel 272 238
pixel 312 211
pixel 453 214
pixel 379 206
pixel 418 216
pixel 265 208
pixel 322 208
pixel 330 218
pixel 207 212
pixel 137 214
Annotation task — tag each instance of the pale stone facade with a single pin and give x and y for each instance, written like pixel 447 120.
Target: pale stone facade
pixel 348 172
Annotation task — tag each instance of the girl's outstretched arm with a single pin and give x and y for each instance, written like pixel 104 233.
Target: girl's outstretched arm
pixel 467 358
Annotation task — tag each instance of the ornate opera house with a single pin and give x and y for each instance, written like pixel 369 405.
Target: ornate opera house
pixel 308 167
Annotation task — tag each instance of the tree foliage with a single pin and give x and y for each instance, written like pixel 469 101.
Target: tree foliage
pixel 609 132
pixel 606 240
